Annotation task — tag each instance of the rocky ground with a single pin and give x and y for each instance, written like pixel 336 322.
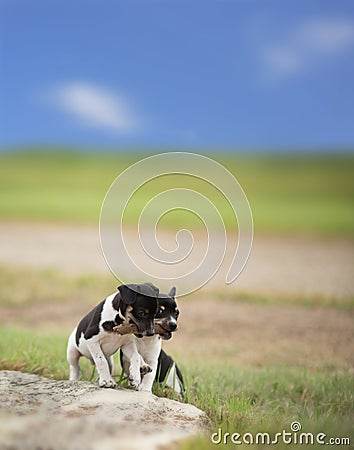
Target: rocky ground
pixel 37 413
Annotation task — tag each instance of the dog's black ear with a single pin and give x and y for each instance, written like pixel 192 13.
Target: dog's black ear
pixel 128 293
pixel 155 289
pixel 172 292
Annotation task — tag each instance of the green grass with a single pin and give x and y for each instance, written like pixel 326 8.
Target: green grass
pixel 50 286
pixel 302 194
pixel 305 194
pixel 344 303
pixel 28 351
pixel 236 399
pixel 270 399
pixel 53 286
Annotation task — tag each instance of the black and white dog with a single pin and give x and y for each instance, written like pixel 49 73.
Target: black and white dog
pixel 94 337
pixel 168 373
pixel 150 350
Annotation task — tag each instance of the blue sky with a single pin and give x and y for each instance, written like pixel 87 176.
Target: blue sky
pixel 184 74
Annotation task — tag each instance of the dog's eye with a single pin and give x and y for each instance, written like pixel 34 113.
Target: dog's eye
pixel 160 311
pixel 141 313
pixel 177 313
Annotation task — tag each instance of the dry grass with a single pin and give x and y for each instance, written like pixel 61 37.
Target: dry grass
pixel 239 330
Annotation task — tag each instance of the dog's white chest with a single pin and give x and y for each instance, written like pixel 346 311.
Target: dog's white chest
pixel 149 347
pixel 111 342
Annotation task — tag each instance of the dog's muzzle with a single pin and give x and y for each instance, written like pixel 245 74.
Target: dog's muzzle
pixel 172 325
pixel 143 330
pixel 148 333
pixel 169 327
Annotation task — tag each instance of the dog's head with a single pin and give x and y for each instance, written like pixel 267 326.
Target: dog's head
pixel 167 313
pixel 139 306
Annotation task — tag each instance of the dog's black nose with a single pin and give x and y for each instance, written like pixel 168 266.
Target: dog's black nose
pixel 149 333
pixel 172 326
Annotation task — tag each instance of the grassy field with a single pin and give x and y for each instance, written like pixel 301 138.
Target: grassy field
pixel 289 357
pixel 236 399
pixel 303 194
pixel 263 397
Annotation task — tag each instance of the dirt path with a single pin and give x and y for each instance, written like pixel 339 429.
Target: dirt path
pixel 253 334
pixel 284 265
pixel 222 330
pixel 264 335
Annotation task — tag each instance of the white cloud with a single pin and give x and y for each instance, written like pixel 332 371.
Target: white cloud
pixel 282 60
pixel 311 42
pixel 94 106
pixel 327 35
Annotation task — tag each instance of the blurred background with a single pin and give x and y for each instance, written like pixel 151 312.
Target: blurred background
pixel 235 76
pixel 265 88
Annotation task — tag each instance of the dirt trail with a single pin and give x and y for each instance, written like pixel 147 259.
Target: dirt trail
pixel 283 265
pixel 240 333
pixel 254 334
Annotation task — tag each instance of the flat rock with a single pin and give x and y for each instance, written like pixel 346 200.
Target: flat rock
pixel 38 413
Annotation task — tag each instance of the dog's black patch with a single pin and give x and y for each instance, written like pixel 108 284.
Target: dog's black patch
pixel 109 324
pixel 129 292
pixel 118 320
pixel 89 325
pixel 165 363
pixel 180 377
pixel 121 358
pixel 116 301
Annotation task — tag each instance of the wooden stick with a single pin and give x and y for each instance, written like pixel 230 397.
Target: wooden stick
pixel 131 328
pixel 127 328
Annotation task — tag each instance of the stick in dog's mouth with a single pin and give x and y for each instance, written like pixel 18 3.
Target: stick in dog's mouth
pixel 131 328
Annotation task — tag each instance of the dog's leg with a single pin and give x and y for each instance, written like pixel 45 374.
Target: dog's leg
pixel 124 361
pixel 151 359
pixel 148 380
pixel 105 379
pixel 144 368
pixel 130 351
pixel 173 381
pixel 110 364
pixel 73 356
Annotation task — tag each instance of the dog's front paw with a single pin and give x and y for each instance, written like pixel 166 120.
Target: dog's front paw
pixel 143 388
pixel 145 369
pixel 134 377
pixel 107 383
pixel 134 382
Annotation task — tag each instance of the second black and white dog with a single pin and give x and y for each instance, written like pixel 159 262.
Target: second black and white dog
pixel 94 337
pixel 168 373
pixel 149 348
